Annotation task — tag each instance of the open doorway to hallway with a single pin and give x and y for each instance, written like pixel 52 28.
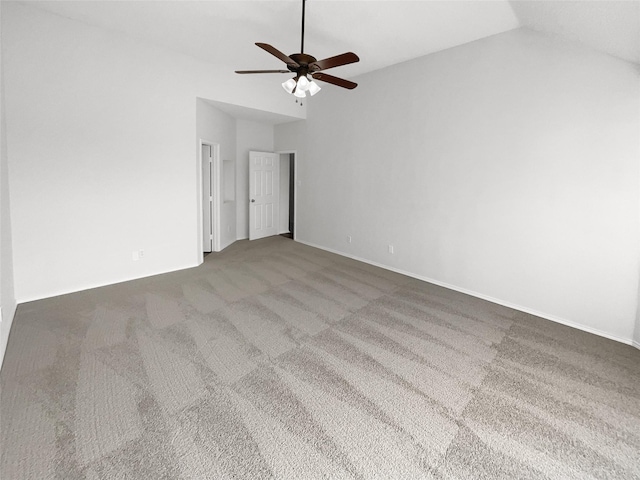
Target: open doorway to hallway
pixel 287 194
pixel 208 186
pixel 207 197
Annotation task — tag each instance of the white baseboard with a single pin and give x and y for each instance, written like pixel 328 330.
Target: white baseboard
pixel 498 301
pixel 247 238
pixel 225 245
pixel 91 286
pixel 636 344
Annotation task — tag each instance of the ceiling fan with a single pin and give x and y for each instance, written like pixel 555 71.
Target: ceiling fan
pixel 303 64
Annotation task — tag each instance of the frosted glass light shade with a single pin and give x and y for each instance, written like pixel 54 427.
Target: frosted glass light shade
pixel 313 88
pixel 299 93
pixel 289 85
pixel 303 83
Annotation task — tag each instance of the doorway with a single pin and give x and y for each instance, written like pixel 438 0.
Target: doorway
pixel 208 174
pixel 287 194
pixel 272 194
pixel 264 192
pixel 207 198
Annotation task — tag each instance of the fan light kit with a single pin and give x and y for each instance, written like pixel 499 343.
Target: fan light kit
pixel 300 87
pixel 303 64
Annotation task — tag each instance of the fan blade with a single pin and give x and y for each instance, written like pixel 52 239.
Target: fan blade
pixel 341 82
pixel 277 53
pixel 263 71
pixel 332 62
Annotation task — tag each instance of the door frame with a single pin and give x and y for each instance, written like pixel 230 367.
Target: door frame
pixel 295 188
pixel 216 194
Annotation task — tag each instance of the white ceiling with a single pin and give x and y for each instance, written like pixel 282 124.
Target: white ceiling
pixel 382 33
pixel 609 26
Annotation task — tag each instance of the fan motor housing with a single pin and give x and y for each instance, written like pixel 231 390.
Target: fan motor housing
pixel 301 59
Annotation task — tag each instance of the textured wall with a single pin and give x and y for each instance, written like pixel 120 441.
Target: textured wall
pixel 507 167
pixel 102 160
pixel 7 296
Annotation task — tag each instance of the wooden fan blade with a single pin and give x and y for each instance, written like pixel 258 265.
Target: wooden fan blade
pixel 277 53
pixel 341 82
pixel 263 71
pixel 332 62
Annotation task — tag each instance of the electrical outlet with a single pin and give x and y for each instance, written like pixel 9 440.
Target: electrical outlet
pixel 348 238
pixel 140 253
pixel 390 248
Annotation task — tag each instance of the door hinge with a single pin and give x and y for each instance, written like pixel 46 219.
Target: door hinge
pixel 211 199
pixel 210 237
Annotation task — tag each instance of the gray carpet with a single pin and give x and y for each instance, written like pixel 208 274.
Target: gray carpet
pixel 277 360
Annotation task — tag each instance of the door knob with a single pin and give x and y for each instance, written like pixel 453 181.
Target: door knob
pixel 253 200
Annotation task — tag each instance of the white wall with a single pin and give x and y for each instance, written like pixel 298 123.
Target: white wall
pixel 7 296
pixel 101 155
pixel 636 331
pixel 215 126
pixel 507 167
pixel 250 136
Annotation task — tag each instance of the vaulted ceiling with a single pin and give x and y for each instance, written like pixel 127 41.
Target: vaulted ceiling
pixel 382 33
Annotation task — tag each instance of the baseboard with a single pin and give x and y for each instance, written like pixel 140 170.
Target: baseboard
pixel 482 296
pixel 636 344
pixel 7 314
pixel 223 246
pixel 99 285
pixel 247 238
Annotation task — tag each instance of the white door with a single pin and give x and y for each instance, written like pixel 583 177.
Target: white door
pixel 264 194
pixel 207 199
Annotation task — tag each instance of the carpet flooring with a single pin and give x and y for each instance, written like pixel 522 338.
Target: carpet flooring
pixel 277 360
